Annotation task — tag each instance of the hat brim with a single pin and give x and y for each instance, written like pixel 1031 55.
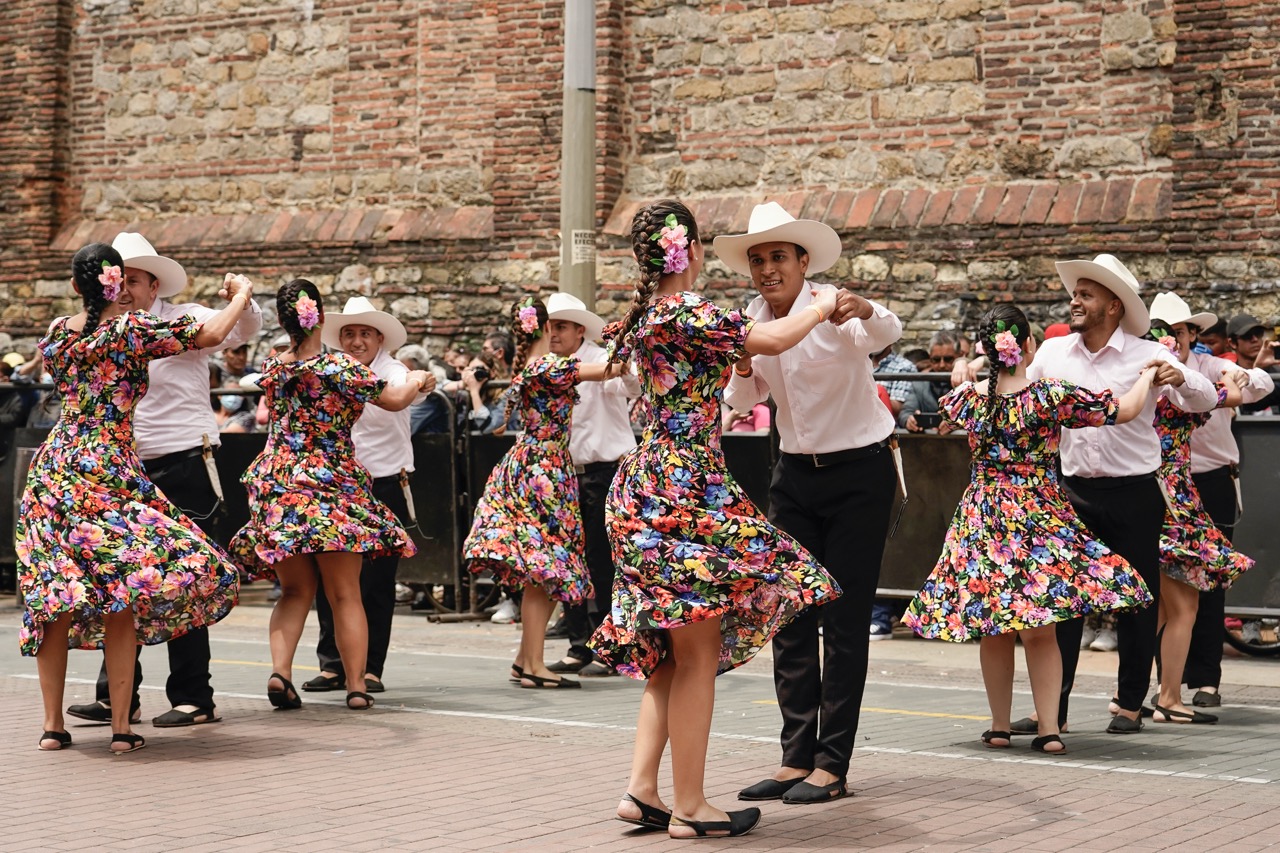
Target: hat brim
pixel 393 333
pixel 1136 321
pixel 170 276
pixel 818 239
pixel 593 324
pixel 1203 320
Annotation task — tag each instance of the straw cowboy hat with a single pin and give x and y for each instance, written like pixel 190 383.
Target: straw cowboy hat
pixel 1107 271
pixel 771 224
pixel 138 253
pixel 360 312
pixel 1173 309
pixel 566 306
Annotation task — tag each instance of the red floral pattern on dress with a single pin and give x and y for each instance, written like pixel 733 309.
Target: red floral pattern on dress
pixel 1016 555
pixel 687 542
pixel 94 535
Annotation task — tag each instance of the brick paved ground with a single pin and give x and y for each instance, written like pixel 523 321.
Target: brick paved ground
pixel 454 758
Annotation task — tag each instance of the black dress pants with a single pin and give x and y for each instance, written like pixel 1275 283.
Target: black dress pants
pixel 185 481
pixel 377 592
pixel 840 514
pixel 1204 657
pixel 1126 513
pixel 583 618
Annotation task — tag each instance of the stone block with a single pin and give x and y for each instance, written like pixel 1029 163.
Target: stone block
pixel 951 69
pixel 1098 152
pixel 1227 267
pixel 699 89
pixel 846 15
pixel 869 268
pixel 1127 27
pixel 914 271
pixel 753 23
pixel 1002 269
pixel 749 84
pixel 906 10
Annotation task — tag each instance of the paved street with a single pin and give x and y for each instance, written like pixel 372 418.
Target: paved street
pixel 454 758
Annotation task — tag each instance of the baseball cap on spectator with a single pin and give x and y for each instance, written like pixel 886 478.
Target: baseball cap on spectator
pixel 14 359
pixel 1241 324
pixel 1056 330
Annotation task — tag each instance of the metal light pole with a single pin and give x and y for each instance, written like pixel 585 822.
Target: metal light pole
pixel 578 160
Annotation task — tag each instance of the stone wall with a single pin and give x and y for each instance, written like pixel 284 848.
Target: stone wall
pixel 409 150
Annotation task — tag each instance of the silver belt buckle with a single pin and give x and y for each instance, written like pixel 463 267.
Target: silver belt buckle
pixel 579 469
pixel 816 463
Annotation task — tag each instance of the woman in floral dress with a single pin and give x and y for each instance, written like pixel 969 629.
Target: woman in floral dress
pixel 527 527
pixel 703 580
pixel 312 513
pixel 1195 556
pixel 106 560
pixel 1017 559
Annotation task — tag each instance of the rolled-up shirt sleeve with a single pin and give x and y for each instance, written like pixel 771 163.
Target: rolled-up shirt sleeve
pixel 744 392
pixel 881 329
pixel 1196 394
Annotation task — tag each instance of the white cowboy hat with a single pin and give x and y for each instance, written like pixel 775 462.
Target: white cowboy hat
pixel 138 253
pixel 566 306
pixel 359 311
pixel 771 224
pixel 1107 271
pixel 1172 309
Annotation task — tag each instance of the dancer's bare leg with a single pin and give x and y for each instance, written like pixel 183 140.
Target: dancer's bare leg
pixel 535 610
pixel 651 742
pixel 1044 667
pixel 298 577
pixel 51 665
pixel 995 654
pixel 1178 605
pixel 340 574
pixel 696 650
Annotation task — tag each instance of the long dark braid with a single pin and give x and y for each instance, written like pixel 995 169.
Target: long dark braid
pixel 86 266
pixel 647 222
pixel 287 309
pixel 1005 317
pixel 524 339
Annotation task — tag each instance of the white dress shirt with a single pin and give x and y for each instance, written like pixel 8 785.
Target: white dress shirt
pixel 176 413
pixel 826 398
pixel 601 427
pixel 1132 448
pixel 381 438
pixel 1213 445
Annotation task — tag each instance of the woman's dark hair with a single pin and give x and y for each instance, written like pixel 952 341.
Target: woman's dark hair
pixel 287 308
pixel 1005 317
pixel 86 266
pixel 522 338
pixel 647 222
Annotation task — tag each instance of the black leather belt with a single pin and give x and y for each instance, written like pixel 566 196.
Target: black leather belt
pixel 1232 471
pixel 159 462
pixel 838 457
pixel 1111 482
pixel 592 467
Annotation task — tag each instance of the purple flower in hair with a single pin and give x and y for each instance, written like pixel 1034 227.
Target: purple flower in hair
pixel 308 312
pixel 528 319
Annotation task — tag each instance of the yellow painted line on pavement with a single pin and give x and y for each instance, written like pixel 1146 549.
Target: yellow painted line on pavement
pixel 901 711
pixel 263 663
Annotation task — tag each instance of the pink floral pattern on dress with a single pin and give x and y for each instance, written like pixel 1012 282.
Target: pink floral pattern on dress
pixel 307 492
pixel 1016 555
pixel 93 534
pixel 1192 549
pixel 527 526
pixel 687 542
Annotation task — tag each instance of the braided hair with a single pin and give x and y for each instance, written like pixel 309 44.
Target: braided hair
pixel 86 266
pixel 287 308
pixel 648 221
pixel 1005 317
pixel 524 339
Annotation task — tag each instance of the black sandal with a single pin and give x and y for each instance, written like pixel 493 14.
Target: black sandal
pixel 650 817
pixel 1040 743
pixel 989 736
pixel 63 739
pixel 286 699
pixel 355 694
pixel 135 742
pixel 324 683
pixel 550 683
pixel 517 673
pixel 739 823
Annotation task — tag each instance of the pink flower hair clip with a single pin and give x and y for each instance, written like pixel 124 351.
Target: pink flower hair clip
pixel 673 238
pixel 528 317
pixel 111 279
pixel 308 312
pixel 1008 350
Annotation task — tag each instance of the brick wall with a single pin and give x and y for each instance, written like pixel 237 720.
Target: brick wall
pixel 410 149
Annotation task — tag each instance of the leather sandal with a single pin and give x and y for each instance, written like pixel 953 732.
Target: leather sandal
pixel 769 789
pixel 1040 743
pixel 806 793
pixel 356 694
pixel 133 742
pixel 551 683
pixel 324 683
pixel 63 739
pixel 990 738
pixel 286 699
pixel 739 823
pixel 173 718
pixel 1168 715
pixel 650 817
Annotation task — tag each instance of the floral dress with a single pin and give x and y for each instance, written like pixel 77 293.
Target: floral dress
pixel 1192 549
pixel 1016 555
pixel 527 527
pixel 687 542
pixel 93 534
pixel 307 492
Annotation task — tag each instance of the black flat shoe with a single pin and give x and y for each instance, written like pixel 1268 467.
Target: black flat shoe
pixel 286 699
pixel 1203 699
pixel 356 694
pixel 100 712
pixel 1025 726
pixel 133 742
pixel 63 739
pixel 567 664
pixel 990 738
pixel 806 794
pixel 739 823
pixel 650 817
pixel 1143 712
pixel 1040 743
pixel 1123 726
pixel 324 683
pixel 547 683
pixel 769 789
pixel 373 685
pixel 1195 717
pixel 173 718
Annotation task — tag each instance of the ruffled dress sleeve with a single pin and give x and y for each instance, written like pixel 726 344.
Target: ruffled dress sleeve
pixel 348 377
pixel 148 335
pixel 711 329
pixel 1078 407
pixel 962 406
pixel 551 371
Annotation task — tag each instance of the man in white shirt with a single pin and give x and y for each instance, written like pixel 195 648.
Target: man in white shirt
pixel 382 443
pixel 832 489
pixel 1215 461
pixel 599 435
pixel 1110 472
pixel 176 435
